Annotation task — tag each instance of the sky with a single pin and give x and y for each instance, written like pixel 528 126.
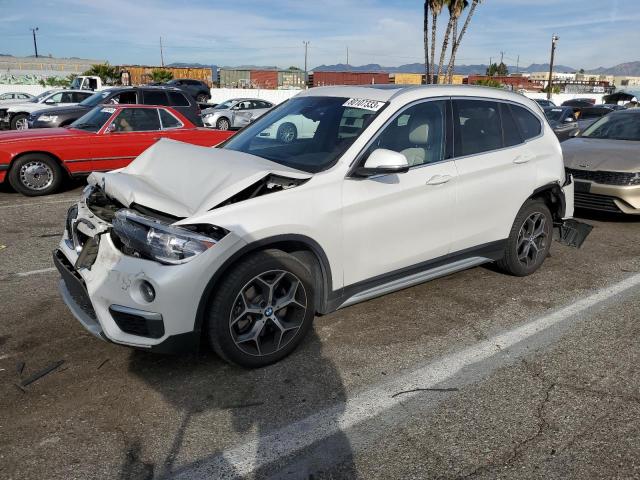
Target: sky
pixel 592 33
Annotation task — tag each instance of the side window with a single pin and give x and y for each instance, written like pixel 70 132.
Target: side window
pixel 155 97
pixel 168 120
pixel 177 99
pixel 529 124
pixel 418 133
pixel 57 98
pixel 509 127
pixel 477 127
pixel 67 97
pixel 124 98
pixel 137 120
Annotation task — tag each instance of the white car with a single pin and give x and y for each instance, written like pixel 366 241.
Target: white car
pixel 15 115
pixel 235 113
pixel 291 128
pixel 246 243
pixel 14 97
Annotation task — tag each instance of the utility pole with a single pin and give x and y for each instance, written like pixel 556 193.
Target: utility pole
pixel 518 64
pixel 554 40
pixel 347 55
pixel 161 53
pixel 306 47
pixel 501 57
pixel 35 43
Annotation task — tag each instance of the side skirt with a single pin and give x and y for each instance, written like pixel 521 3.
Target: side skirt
pixel 416 274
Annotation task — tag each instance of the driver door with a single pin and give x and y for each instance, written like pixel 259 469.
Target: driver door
pixel 242 114
pixel 129 134
pixel 399 221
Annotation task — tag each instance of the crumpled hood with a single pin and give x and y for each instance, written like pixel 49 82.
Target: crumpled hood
pixel 600 154
pixel 182 179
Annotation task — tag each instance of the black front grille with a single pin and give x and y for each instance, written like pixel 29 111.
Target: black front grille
pixel 595 202
pixel 605 178
pixel 75 284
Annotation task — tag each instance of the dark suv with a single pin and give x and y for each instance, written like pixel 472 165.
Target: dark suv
pixel 160 95
pixel 197 89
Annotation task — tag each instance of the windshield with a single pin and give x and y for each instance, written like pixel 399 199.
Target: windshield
pixel 225 105
pixel 306 133
pixel 553 114
pixel 41 97
pixel 96 98
pixel 616 126
pixel 94 120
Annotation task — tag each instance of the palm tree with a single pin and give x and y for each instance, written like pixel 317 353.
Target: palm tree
pixel 436 7
pixel 455 10
pixel 458 40
pixel 426 40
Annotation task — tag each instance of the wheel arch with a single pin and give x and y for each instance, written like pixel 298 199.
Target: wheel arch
pixel 302 247
pixel 553 197
pixel 52 156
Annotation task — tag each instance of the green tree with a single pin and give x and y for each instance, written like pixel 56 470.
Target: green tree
pixel 160 75
pixel 108 74
pixel 499 70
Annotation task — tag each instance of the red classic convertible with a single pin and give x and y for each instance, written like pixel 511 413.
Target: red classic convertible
pixel 36 161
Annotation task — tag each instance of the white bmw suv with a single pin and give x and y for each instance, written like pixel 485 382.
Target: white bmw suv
pixel 244 244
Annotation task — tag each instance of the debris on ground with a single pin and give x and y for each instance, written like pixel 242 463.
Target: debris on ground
pixel 102 363
pixel 20 368
pixel 38 375
pixel 242 405
pixel 425 390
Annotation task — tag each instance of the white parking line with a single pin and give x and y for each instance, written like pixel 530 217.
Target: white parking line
pixel 244 459
pixel 35 272
pixel 16 205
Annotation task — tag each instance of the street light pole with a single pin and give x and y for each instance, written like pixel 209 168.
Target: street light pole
pixel 554 40
pixel 306 46
pixel 35 43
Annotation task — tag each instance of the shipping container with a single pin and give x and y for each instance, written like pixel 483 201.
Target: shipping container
pixel 291 79
pixel 234 78
pixel 349 78
pixel 458 79
pixel 141 75
pixel 408 78
pixel 264 79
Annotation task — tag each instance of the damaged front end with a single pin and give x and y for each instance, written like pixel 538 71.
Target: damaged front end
pixel 569 231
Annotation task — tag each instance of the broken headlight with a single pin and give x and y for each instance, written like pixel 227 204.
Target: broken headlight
pixel 158 241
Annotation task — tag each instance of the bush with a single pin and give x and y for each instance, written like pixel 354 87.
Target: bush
pixel 160 76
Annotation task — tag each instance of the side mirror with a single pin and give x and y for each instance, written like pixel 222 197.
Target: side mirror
pixel 383 162
pixel 575 133
pixel 49 102
pixel 569 120
pixel 111 128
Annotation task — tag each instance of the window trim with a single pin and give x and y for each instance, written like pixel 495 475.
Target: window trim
pixel 162 127
pixel 448 150
pixel 500 100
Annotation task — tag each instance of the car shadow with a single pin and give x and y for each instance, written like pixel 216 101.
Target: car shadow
pixel 208 393
pixel 69 184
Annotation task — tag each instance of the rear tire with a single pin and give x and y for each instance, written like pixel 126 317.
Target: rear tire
pixel 529 241
pixel 262 309
pixel 287 132
pixel 223 124
pixel 19 122
pixel 35 174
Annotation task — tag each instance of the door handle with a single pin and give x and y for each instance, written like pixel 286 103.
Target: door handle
pixel 522 159
pixel 439 179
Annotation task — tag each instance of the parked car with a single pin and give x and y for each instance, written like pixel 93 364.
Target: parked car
pixel 15 115
pixel 245 243
pixel 168 96
pixel 291 128
pixel 544 103
pixel 199 90
pixel 14 97
pixel 605 162
pixel 235 113
pixel 35 162
pixel 588 115
pixel 579 102
pixel 563 121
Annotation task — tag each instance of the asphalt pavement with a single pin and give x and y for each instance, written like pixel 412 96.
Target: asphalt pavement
pixel 475 375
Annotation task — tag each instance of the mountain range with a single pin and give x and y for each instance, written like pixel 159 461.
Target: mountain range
pixel 629 68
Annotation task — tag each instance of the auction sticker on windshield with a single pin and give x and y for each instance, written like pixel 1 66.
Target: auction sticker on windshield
pixel 108 110
pixel 363 103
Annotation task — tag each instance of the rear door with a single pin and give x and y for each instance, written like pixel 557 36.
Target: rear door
pixel 131 132
pixel 496 168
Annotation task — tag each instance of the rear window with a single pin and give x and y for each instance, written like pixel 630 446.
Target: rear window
pixel 155 97
pixel 510 130
pixel 168 120
pixel 478 128
pixel 529 124
pixel 178 99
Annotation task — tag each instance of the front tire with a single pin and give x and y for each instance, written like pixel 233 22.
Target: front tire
pixel 262 309
pixel 35 174
pixel 223 124
pixel 529 241
pixel 19 122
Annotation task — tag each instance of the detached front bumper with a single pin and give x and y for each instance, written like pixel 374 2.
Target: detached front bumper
pixel 106 298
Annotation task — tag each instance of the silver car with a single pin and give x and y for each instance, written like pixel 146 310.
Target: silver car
pixel 14 97
pixel 235 113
